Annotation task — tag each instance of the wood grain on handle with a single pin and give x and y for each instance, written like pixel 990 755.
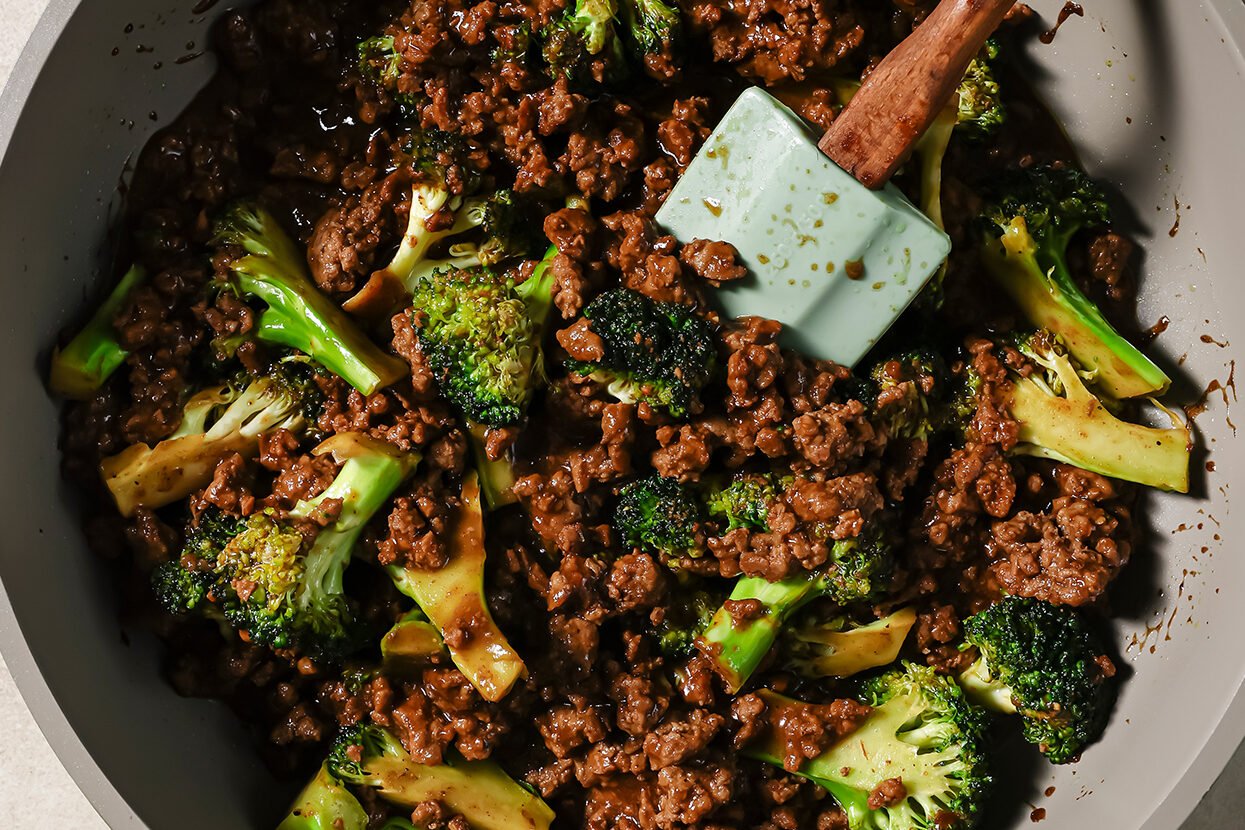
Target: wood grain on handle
pixel 899 100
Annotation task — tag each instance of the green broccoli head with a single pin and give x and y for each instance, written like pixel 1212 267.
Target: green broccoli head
pixel 180 590
pixel 1054 202
pixel 661 516
pixel 657 353
pixel 981 112
pixel 507 228
pixel 264 567
pixel 1026 230
pixel 652 25
pixel 744 501
pixel 860 568
pixel 480 341
pixel 922 731
pixel 908 392
pixel 1046 663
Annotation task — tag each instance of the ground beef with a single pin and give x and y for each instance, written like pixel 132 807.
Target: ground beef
pixel 617 723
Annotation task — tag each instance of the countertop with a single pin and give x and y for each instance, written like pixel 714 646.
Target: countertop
pixel 35 790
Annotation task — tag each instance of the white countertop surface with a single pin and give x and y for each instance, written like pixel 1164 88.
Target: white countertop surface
pixel 35 790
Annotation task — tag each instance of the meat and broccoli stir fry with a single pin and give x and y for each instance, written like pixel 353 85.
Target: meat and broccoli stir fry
pixel 424 447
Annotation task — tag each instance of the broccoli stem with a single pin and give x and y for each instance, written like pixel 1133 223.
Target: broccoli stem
pixel 737 650
pixel 89 359
pixel 496 477
pixel 985 690
pixel 371 471
pixel 412 644
pixel 298 315
pixel 153 477
pixel 324 804
pixel 1051 300
pixel 453 598
pixel 1075 428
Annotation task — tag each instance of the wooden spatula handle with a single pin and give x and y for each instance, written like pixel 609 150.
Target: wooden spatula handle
pixel 903 95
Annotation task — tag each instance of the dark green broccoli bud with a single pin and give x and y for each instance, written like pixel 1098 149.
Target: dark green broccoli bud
pixel 479 791
pixel 1025 232
pixel 981 112
pixel 661 516
pixel 922 731
pixel 481 341
pixel 652 25
pixel 453 597
pixel 661 354
pixel 1046 663
pixel 859 570
pixel 744 501
pixel 179 590
pixel 325 804
pixel 583 44
pixel 839 647
pixel 380 60
pixel 217 422
pixel 688 614
pixel 82 366
pixel 909 390
pixel 272 270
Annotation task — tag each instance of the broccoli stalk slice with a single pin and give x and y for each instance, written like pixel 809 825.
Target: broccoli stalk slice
pixel 1039 282
pixel 1075 428
pixel 152 477
pixel 496 477
pixel 652 25
pixel 411 644
pixel 82 366
pixel 480 791
pixel 922 731
pixel 819 650
pixel 453 598
pixel 325 804
pixel 298 316
pixel 985 690
pixel 737 650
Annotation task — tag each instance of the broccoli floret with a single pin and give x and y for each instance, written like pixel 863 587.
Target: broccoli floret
pixel 216 423
pixel 1061 419
pixel 841 648
pixel 481 338
pixel 486 231
pixel 922 731
pixel 325 804
pixel 981 112
pixel 1025 234
pixel 82 366
pixel 858 571
pixel 860 567
pixel 268 580
pixel 272 270
pixel 583 44
pixel 652 26
pixel 744 501
pixel 1041 661
pixel 661 516
pixel 453 599
pixel 688 614
pixel 380 60
pixel 660 354
pixel 479 791
pixel 908 393
pixel 180 590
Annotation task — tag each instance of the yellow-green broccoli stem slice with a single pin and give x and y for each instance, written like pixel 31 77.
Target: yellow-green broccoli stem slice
pixel 83 365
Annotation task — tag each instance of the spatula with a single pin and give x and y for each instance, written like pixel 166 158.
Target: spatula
pixel 835 252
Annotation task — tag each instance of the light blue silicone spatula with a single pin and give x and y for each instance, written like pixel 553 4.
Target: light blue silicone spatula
pixel 835 252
